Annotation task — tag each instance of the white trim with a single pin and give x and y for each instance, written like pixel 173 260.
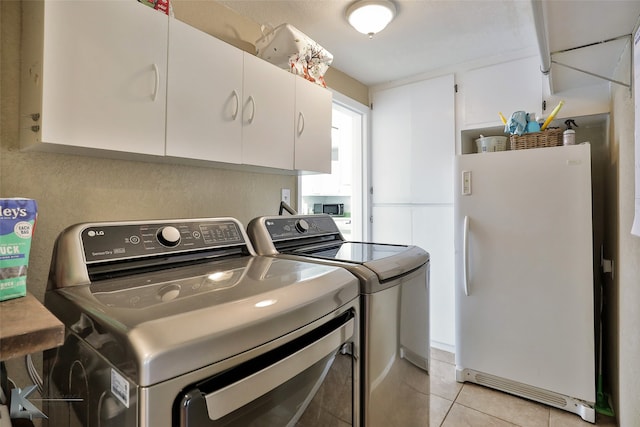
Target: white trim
pixel 363 110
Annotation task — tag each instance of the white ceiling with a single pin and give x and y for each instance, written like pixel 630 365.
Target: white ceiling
pixel 432 35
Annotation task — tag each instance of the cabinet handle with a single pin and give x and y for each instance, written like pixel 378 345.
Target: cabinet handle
pixel 465 255
pixel 300 123
pixel 156 85
pixel 253 109
pixel 235 112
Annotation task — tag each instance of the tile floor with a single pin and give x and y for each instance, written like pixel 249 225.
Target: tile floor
pixel 460 405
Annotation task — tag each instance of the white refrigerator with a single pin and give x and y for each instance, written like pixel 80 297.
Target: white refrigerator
pixel 524 275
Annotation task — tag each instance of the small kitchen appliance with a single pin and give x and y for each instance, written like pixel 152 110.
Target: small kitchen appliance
pixel 178 323
pixel 334 209
pixel 394 309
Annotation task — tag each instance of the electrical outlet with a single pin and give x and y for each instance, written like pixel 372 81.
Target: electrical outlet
pixel 285 195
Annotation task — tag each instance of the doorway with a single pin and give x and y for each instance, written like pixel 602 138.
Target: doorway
pixel 345 183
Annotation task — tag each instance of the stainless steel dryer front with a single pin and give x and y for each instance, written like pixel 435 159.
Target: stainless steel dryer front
pixel 394 288
pixel 178 323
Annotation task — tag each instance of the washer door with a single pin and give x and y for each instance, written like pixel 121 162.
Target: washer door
pixel 307 381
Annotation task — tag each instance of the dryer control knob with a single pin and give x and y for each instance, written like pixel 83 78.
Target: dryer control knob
pixel 169 236
pixel 302 226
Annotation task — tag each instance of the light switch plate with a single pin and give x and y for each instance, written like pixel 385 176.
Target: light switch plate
pixel 466 183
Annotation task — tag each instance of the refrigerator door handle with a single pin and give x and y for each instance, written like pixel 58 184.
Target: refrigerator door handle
pixel 465 255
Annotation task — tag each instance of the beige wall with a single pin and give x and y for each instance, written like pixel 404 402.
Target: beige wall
pixel 623 292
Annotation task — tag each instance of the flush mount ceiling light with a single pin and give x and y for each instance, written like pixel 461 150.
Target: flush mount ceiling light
pixel 370 16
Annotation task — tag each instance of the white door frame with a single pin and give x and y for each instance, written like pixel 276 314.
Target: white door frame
pixel 365 175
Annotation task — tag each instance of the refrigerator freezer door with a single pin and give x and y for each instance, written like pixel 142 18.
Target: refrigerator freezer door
pixel 526 311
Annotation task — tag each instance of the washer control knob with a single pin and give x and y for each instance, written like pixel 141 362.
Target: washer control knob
pixel 302 226
pixel 169 236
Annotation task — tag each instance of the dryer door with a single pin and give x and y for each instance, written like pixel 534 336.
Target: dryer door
pixel 307 381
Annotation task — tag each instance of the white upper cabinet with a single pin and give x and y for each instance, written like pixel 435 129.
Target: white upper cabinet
pixel 204 95
pixel 312 127
pixel 267 112
pixel 94 75
pixel 507 87
pixel 583 101
pixel 413 142
pixel 226 105
pixel 391 144
pixel 117 78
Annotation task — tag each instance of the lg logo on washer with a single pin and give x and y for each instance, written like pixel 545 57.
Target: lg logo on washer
pixel 94 233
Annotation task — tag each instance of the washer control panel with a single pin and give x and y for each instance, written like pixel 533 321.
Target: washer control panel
pixel 110 242
pixel 293 227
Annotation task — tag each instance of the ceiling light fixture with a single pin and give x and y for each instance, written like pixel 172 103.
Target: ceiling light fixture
pixel 370 16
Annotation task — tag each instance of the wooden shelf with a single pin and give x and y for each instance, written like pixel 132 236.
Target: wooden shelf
pixel 26 327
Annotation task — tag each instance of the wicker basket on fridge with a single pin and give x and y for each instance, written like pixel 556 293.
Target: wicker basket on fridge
pixel 546 138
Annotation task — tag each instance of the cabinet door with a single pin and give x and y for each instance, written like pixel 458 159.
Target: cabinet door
pixel 432 230
pixel 312 127
pixel 392 122
pixel 413 142
pixel 392 224
pixel 203 96
pixel 104 75
pixel 267 111
pixel 508 87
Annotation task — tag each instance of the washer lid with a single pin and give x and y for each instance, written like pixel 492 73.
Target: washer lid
pixel 317 236
pixel 159 325
pixel 387 261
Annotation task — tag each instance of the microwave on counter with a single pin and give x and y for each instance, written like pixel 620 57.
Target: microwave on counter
pixel 336 209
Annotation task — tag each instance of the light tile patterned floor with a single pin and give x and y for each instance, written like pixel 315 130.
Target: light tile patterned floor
pixel 453 404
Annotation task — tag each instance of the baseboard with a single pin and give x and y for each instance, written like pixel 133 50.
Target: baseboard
pixel 443 346
pixel 584 409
